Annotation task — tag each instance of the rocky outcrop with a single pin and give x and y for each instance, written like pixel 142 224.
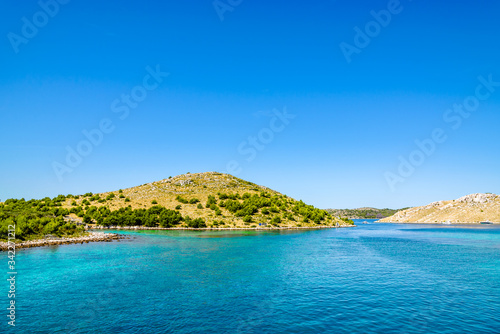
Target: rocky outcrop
pixel 478 198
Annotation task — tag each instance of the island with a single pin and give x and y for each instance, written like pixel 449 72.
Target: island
pixel 364 213
pixel 470 209
pixel 208 200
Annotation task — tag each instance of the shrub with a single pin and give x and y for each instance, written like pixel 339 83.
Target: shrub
pixel 229 196
pixel 347 220
pixel 193 201
pixel 127 200
pixel 199 206
pixel 178 207
pixel 95 197
pixel 121 196
pixel 154 202
pixel 110 196
pixel 181 199
pixel 276 220
pixel 247 219
pixel 195 223
pixel 211 201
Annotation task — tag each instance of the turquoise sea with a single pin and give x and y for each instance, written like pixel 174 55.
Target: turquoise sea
pixel 374 278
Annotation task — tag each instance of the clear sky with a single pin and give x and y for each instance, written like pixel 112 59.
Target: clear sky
pixel 319 100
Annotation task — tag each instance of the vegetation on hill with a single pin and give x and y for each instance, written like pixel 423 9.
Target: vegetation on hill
pixel 36 219
pixel 204 199
pixel 363 213
pixel 188 201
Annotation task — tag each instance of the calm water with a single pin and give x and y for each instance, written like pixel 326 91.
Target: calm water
pixel 376 278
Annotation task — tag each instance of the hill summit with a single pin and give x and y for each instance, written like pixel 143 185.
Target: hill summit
pixel 208 199
pixel 473 208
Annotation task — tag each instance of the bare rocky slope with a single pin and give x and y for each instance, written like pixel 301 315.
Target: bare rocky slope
pixel 474 208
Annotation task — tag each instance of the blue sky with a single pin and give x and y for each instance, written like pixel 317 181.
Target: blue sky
pixel 228 79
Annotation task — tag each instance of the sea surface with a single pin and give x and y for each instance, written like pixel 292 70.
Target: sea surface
pixel 373 278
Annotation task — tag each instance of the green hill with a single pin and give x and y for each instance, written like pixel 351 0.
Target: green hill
pixel 203 200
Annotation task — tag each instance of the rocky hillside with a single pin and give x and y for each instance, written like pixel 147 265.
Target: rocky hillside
pixel 472 208
pixel 201 200
pixel 363 213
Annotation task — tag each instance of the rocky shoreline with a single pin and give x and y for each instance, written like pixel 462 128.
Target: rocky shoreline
pixel 452 222
pixel 91 237
pixel 108 237
pixel 220 228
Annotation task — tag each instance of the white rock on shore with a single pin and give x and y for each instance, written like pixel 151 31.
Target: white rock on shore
pixel 91 237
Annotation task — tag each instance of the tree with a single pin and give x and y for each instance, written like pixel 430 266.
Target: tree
pixel 87 219
pixel 182 199
pixel 211 201
pixel 195 223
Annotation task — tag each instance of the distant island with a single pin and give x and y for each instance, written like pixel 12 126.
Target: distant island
pixel 191 201
pixel 363 213
pixel 474 208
